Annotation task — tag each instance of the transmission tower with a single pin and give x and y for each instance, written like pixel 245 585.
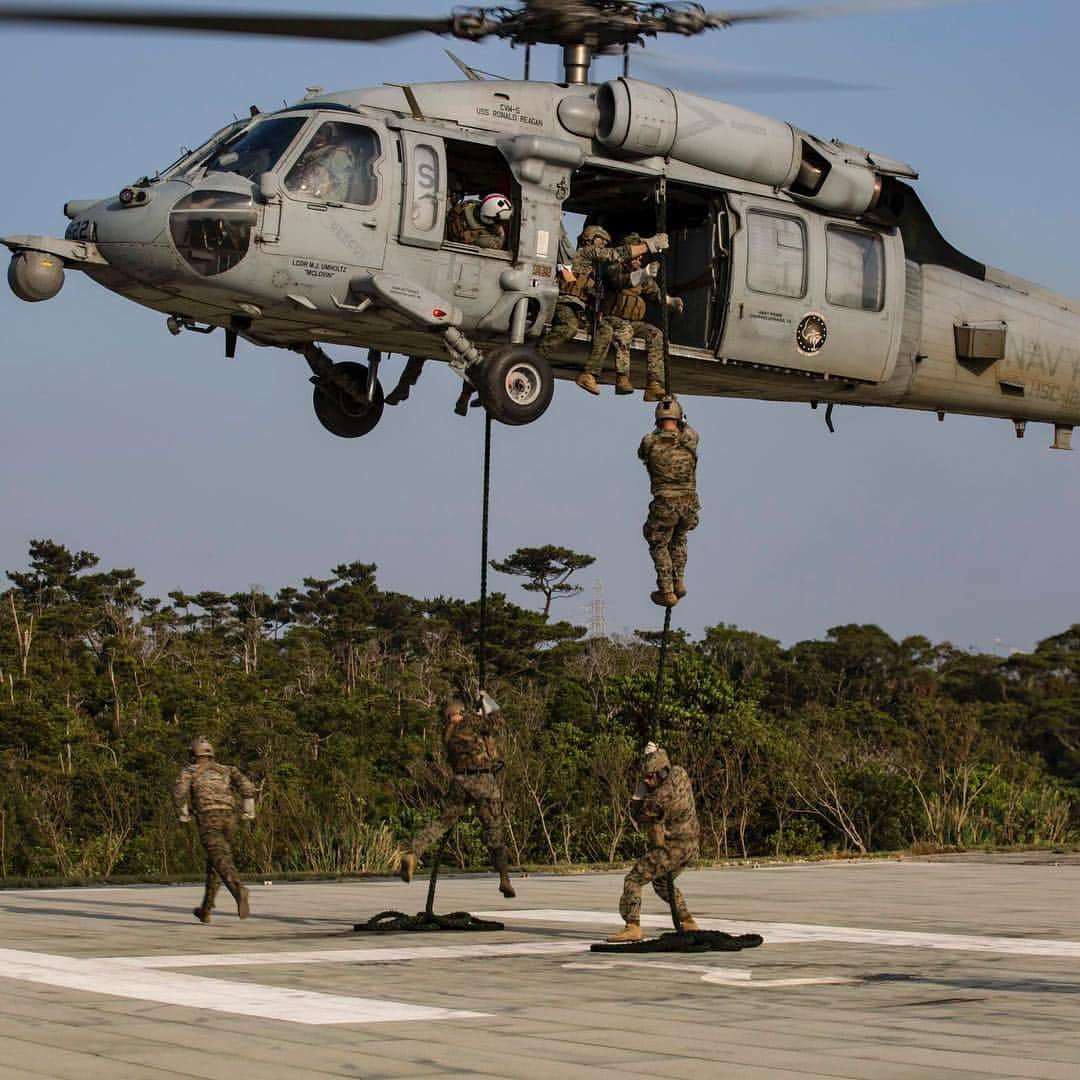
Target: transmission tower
pixel 597 611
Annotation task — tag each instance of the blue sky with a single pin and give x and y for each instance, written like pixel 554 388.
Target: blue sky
pixel 156 452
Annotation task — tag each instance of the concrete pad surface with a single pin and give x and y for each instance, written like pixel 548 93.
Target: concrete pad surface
pixel 877 969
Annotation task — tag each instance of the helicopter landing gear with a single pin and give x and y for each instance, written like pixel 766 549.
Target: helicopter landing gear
pixel 348 397
pixel 515 384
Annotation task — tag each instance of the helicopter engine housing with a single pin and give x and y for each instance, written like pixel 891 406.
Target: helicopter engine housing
pixel 35 275
pixel 639 119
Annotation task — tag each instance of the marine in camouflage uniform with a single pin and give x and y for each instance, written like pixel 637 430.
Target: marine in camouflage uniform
pixel 209 789
pixel 670 455
pixel 473 754
pixel 628 286
pixel 663 806
pixel 578 288
pixel 410 376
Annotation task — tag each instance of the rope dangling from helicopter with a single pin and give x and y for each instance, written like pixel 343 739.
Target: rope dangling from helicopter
pixel 665 314
pixel 650 728
pixel 484 530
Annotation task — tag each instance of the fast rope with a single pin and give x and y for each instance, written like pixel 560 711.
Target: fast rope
pixel 387 922
pixel 665 315
pixel 651 727
pixel 484 527
pixel 427 920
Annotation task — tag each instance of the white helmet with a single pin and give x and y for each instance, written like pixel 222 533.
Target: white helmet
pixel 496 209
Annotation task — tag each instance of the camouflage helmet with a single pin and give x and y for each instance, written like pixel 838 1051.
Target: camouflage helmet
pixel 201 747
pixel 654 760
pixel 632 239
pixel 453 705
pixel 669 409
pixel 594 232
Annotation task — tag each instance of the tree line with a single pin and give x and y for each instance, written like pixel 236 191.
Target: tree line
pixel 327 694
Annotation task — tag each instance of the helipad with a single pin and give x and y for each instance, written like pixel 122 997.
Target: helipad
pixel 959 968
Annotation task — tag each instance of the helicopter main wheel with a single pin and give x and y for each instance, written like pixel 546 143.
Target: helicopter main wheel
pixel 516 385
pixel 341 413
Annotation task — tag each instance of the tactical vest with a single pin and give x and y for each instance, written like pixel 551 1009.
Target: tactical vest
pixel 627 304
pixel 459 224
pixel 581 287
pixel 672 467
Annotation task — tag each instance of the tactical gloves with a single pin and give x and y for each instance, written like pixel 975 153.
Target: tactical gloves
pixel 676 304
pixel 185 813
pixel 657 243
pixel 248 811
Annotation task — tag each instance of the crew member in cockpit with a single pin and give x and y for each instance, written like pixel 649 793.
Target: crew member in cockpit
pixel 325 169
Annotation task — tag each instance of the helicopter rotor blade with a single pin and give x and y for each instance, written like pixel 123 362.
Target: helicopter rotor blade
pixel 725 19
pixel 317 27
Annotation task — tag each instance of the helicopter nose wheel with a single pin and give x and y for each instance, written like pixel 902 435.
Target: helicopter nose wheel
pixel 342 402
pixel 516 385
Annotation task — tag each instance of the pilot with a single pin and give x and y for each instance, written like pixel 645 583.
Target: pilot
pixel 325 169
pixel 208 789
pixel 627 288
pixel 663 806
pixel 670 454
pixel 484 223
pixel 578 286
pixel 469 738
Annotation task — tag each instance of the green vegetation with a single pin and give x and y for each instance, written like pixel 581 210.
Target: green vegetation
pixel 327 695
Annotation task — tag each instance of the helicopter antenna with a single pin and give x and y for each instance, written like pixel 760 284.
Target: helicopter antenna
pixel 470 73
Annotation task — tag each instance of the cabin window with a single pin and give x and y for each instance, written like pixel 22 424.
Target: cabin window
pixel 426 185
pixel 777 256
pixel 337 166
pixel 855 274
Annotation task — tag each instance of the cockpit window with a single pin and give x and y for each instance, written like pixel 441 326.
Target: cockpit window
pixel 337 165
pixel 259 149
pixel 190 158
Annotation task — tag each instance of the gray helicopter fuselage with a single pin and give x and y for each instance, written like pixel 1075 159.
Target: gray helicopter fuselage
pixel 809 269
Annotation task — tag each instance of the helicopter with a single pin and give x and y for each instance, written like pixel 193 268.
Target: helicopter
pixel 809 269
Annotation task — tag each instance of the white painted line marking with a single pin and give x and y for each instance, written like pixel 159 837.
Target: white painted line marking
pixel 219 995
pixel 787 933
pixel 355 956
pixel 740 980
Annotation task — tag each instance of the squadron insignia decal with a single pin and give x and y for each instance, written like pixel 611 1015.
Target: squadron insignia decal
pixel 811 334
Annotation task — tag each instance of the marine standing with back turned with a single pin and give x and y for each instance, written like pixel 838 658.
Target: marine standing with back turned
pixel 628 287
pixel 209 789
pixel 579 284
pixel 473 754
pixel 663 806
pixel 670 455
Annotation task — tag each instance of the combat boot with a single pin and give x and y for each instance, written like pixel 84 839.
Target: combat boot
pixel 407 867
pixel 243 903
pixel 623 385
pixel 654 391
pixel 499 861
pixel 630 932
pixel 202 914
pixel 679 588
pixel 461 406
pixel 663 599
pixel 587 381
pixel 689 924
pixel 397 395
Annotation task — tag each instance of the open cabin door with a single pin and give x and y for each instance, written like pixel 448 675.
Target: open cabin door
pixel 811 293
